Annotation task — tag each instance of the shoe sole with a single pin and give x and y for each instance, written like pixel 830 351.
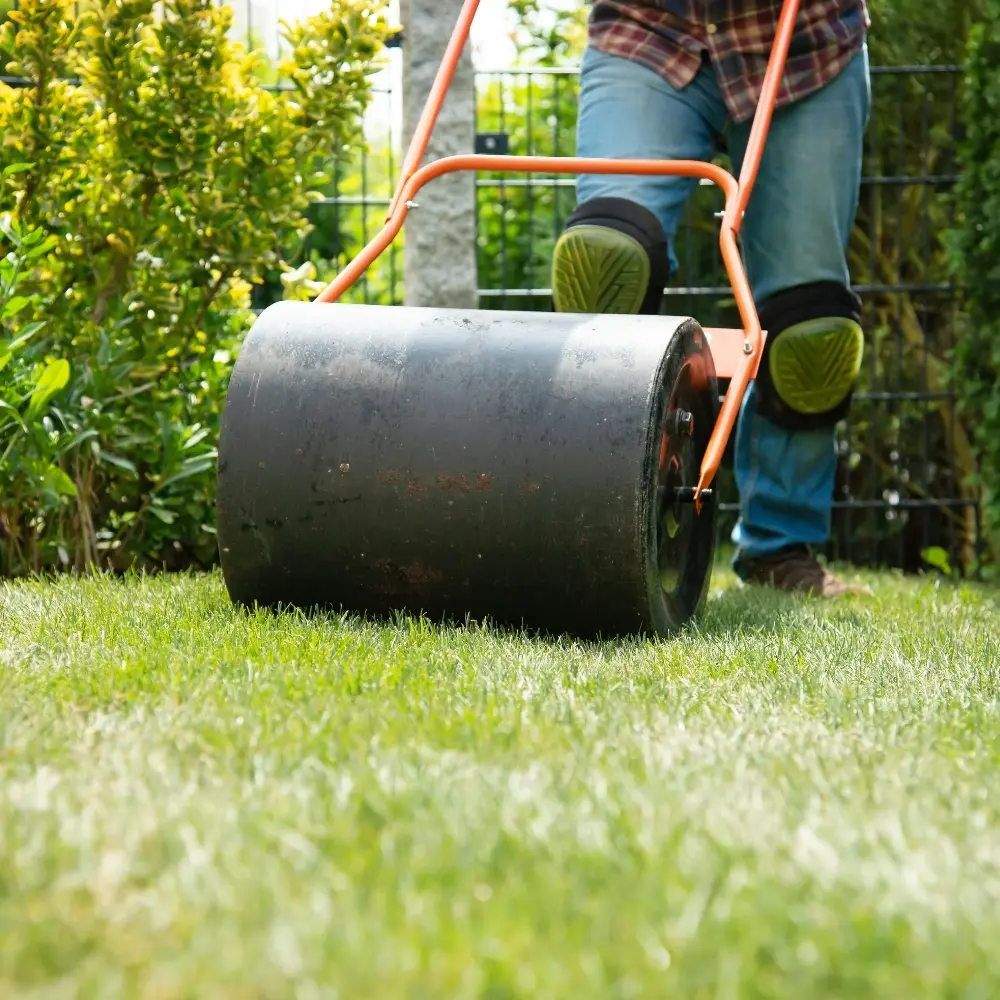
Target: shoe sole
pixel 599 270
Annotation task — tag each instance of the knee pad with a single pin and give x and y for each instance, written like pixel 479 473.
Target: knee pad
pixel 812 355
pixel 610 258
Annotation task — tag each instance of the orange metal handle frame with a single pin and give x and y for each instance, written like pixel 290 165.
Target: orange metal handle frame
pixel 737 192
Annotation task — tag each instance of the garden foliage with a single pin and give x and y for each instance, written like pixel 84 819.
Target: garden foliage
pixel 147 182
pixel 976 257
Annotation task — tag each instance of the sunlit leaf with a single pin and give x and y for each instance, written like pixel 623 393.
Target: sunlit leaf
pixel 54 377
pixel 57 481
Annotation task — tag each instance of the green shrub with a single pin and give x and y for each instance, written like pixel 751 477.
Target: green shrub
pixel 975 244
pixel 28 381
pixel 159 181
pixel 353 212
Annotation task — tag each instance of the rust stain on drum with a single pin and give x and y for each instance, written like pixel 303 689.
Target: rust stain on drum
pixel 483 482
pixel 390 477
pixel 417 574
pixel 414 574
pixel 447 483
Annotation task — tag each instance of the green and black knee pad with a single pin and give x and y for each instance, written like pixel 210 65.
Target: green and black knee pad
pixel 610 258
pixel 812 355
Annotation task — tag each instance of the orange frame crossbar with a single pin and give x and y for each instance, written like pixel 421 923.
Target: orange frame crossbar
pixel 736 352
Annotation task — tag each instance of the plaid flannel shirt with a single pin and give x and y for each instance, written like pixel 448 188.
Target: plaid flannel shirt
pixel 671 37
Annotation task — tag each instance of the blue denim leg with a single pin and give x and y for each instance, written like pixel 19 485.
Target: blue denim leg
pixel 796 231
pixel 628 111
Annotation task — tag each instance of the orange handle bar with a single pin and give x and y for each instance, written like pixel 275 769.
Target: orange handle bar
pixel 737 192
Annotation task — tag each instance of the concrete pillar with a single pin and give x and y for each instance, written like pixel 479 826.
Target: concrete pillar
pixel 439 237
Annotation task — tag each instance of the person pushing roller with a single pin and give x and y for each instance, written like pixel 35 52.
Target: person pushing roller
pixel 513 466
pixel 672 79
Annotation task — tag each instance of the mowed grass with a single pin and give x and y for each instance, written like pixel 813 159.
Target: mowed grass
pixel 790 800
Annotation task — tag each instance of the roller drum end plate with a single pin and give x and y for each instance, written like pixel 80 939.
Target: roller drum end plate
pixel 684 538
pixel 526 469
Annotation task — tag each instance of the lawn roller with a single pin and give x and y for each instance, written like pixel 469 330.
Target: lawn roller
pixel 543 470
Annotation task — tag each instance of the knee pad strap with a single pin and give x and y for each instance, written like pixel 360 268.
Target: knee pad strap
pixel 812 355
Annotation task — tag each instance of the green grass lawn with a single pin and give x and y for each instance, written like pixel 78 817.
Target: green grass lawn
pixel 791 800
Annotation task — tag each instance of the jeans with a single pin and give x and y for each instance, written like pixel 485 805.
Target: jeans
pixel 795 231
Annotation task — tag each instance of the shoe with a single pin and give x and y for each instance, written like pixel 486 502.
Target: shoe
pixel 796 570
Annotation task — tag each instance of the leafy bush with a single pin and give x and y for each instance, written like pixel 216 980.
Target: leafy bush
pixel 151 181
pixel 27 384
pixel 351 213
pixel 975 244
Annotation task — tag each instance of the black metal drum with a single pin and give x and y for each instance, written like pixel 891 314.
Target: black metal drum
pixel 530 469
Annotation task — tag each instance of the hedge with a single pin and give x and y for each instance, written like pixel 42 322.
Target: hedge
pixel 147 182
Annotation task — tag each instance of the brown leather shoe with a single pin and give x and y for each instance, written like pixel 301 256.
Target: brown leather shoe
pixel 798 571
